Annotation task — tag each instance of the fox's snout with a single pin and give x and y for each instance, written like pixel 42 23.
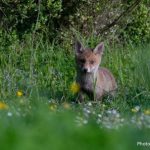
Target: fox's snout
pixel 85 70
pixel 87 59
pixel 88 68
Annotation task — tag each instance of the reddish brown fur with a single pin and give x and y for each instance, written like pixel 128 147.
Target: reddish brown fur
pixel 89 57
pixel 90 76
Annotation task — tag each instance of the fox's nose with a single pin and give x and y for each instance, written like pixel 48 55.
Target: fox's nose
pixel 85 70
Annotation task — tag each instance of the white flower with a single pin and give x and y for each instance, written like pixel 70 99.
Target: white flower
pixel 9 114
pixel 99 115
pixel 89 104
pixel 85 121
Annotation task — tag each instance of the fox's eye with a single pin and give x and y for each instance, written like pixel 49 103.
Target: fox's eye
pixel 82 60
pixel 92 62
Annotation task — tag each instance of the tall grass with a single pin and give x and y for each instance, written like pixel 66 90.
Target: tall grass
pixel 44 116
pixel 50 67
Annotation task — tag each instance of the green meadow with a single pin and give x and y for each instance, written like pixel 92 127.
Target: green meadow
pixel 38 109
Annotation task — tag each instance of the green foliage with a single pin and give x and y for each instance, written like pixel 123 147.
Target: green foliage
pixel 46 130
pixel 143 64
pixel 26 16
pixel 88 17
pixel 45 116
pixel 33 63
pixel 137 31
pixel 29 65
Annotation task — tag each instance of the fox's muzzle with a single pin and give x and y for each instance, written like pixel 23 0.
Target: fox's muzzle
pixel 86 70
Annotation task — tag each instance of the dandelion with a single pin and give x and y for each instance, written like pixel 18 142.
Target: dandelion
pixel 135 109
pixel 53 107
pixel 19 93
pixel 3 106
pixel 147 112
pixel 66 105
pixel 75 87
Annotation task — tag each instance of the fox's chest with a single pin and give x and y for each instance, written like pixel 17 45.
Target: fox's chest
pixel 87 83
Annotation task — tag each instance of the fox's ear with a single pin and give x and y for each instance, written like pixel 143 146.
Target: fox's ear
pixel 99 48
pixel 78 47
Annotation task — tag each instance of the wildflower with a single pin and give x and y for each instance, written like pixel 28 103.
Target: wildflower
pixel 99 115
pixel 9 114
pixel 147 112
pixel 89 104
pixel 114 112
pixel 109 111
pixel 52 106
pixel 19 93
pixel 66 105
pixel 86 110
pixel 85 121
pixel 3 106
pixel 135 109
pixel 104 105
pixel 93 112
pixel 79 120
pixel 98 121
pixel 21 101
pixel 75 87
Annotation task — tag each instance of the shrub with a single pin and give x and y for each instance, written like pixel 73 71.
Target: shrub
pixel 138 28
pixel 89 17
pixel 25 16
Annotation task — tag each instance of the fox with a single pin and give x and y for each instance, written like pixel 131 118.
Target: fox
pixel 95 81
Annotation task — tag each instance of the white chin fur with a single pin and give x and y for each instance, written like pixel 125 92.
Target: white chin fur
pixel 89 70
pixel 94 69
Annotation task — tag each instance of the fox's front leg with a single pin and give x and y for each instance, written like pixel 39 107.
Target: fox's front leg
pixel 98 94
pixel 80 97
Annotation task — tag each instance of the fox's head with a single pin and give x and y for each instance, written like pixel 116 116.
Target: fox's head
pixel 87 59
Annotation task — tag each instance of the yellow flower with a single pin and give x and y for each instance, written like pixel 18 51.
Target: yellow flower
pixel 3 106
pixel 75 87
pixel 53 107
pixel 66 105
pixel 135 109
pixel 19 93
pixel 147 112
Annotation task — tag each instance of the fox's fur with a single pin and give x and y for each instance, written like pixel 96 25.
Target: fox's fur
pixel 95 81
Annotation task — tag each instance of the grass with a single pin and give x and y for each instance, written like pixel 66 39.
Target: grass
pixel 45 115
